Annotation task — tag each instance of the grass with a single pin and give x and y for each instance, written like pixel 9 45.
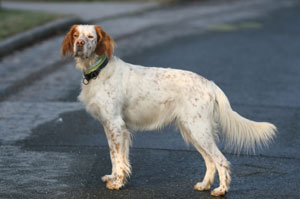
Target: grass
pixel 162 1
pixel 13 21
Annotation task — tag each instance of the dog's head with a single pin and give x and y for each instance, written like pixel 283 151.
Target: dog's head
pixel 85 40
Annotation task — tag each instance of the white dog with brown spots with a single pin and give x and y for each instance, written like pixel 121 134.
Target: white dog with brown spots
pixel 126 97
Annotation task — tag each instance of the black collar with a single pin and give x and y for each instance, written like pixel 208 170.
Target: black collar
pixel 93 71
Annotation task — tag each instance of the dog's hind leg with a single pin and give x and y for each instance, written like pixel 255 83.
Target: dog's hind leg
pixel 198 131
pixel 119 139
pixel 223 170
pixel 208 179
pixel 186 131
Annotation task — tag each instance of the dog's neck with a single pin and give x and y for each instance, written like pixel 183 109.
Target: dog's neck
pixel 107 70
pixel 83 64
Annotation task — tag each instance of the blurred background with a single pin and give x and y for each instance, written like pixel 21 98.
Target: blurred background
pixel 51 148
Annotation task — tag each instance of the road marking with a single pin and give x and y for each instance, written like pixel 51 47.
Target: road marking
pixel 250 25
pixel 235 27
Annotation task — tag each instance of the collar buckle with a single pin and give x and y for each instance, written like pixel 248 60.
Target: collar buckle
pixel 85 81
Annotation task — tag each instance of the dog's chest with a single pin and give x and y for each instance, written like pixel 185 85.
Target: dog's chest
pixel 100 97
pixel 85 95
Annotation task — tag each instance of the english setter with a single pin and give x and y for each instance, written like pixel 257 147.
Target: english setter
pixel 126 97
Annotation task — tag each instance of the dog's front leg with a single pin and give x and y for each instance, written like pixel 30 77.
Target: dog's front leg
pixel 118 138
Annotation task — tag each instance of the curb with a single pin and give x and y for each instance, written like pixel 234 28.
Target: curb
pixel 36 34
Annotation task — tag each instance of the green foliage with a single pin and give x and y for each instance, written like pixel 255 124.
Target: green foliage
pixel 14 21
pixel 163 1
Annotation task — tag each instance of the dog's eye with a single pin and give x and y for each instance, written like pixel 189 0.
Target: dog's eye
pixel 90 36
pixel 76 36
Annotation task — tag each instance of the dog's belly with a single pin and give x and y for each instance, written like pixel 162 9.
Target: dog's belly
pixel 149 114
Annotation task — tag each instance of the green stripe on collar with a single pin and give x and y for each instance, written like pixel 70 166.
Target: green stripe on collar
pixel 93 71
pixel 98 63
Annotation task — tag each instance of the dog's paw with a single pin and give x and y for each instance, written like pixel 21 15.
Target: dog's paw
pixel 200 186
pixel 220 191
pixel 107 178
pixel 114 185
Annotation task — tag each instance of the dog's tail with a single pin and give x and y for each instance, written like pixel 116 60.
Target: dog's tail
pixel 240 133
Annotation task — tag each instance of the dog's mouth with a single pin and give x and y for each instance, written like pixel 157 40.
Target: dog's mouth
pixel 79 52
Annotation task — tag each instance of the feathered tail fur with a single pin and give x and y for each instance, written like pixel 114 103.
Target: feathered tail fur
pixel 240 133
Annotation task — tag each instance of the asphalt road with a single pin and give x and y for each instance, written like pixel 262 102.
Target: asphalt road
pixel 255 62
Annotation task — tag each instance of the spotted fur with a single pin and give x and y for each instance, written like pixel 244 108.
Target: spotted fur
pixel 127 98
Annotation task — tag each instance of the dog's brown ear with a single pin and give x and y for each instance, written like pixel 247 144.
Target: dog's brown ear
pixel 68 43
pixel 105 44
